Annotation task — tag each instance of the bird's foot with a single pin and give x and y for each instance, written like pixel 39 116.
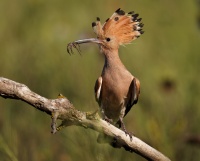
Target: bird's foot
pixel 72 45
pixel 130 134
pixel 110 121
pixel 104 117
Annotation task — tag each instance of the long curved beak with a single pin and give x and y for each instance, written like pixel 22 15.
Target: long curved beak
pixel 91 40
pixel 76 43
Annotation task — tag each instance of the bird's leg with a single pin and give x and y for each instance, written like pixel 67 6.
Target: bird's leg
pixel 110 121
pixel 122 126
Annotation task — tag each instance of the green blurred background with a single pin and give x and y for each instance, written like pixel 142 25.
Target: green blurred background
pixel 166 59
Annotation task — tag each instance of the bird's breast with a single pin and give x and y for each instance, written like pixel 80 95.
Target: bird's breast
pixel 114 93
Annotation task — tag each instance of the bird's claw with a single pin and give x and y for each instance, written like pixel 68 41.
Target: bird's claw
pixel 110 121
pixel 130 134
pixel 72 45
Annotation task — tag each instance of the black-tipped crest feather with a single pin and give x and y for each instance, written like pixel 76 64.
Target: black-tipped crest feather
pixel 125 27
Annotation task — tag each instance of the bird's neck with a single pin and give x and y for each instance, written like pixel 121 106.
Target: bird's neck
pixel 112 59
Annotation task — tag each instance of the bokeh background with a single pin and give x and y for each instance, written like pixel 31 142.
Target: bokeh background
pixel 166 59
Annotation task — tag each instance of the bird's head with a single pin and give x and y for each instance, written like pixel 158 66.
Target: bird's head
pixel 121 28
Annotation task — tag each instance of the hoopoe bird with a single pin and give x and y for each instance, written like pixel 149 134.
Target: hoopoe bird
pixel 116 90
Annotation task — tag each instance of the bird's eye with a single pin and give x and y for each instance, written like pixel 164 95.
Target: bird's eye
pixel 108 39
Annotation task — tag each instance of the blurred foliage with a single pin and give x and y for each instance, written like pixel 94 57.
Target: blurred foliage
pixel 33 39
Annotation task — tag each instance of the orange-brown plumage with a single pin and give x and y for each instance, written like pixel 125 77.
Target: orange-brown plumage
pixel 124 27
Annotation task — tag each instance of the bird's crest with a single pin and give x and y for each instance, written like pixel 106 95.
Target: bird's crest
pixel 125 27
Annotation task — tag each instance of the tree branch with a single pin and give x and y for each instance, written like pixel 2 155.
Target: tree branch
pixel 61 108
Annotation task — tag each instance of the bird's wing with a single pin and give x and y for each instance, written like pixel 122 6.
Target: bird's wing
pixel 134 91
pixel 97 89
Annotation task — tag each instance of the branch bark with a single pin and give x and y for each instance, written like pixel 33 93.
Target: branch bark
pixel 61 108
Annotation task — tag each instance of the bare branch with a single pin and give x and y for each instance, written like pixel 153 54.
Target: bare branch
pixel 61 108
